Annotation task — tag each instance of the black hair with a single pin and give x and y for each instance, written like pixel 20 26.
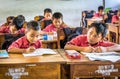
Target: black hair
pixel 21 16
pixel 34 25
pixel 57 15
pixel 18 22
pixel 100 8
pixel 100 28
pixel 47 10
pixel 10 17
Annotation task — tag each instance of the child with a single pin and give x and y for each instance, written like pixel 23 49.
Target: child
pixel 116 18
pixel 57 23
pixel 83 22
pixel 15 27
pixel 100 12
pixel 93 41
pixel 8 21
pixel 29 42
pixel 47 18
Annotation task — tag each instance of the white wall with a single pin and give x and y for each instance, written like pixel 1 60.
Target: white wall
pixel 114 4
pixel 71 9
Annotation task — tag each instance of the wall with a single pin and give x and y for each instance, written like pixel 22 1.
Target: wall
pixel 71 9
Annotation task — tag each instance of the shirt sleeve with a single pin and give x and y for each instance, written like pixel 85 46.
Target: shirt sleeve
pixel 16 44
pixel 75 41
pixel 107 44
pixel 114 19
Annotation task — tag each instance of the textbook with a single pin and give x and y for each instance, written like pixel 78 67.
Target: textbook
pixel 40 51
pixel 104 56
pixel 3 54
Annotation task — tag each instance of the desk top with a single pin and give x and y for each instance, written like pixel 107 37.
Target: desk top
pixel 20 59
pixel 83 60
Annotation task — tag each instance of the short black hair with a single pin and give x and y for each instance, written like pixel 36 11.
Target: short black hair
pixel 100 8
pixel 47 10
pixel 57 15
pixel 100 28
pixel 21 16
pixel 34 25
pixel 18 22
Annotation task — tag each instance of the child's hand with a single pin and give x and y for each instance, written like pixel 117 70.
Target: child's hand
pixel 88 49
pixel 30 49
pixel 100 49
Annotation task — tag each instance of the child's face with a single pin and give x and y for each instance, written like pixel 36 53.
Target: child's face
pixel 57 22
pixel 92 36
pixel 48 16
pixel 32 35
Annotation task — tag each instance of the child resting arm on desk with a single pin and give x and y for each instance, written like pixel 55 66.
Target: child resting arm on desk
pixel 29 42
pixel 93 41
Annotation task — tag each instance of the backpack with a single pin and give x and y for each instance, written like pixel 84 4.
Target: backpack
pixel 9 39
pixel 70 34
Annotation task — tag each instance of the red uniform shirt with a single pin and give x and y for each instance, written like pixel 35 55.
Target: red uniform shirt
pixel 52 28
pixel 115 18
pixel 7 30
pixel 82 41
pixel 98 15
pixel 23 43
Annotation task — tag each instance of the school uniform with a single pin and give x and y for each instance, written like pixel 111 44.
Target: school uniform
pixel 98 15
pixel 23 43
pixel 7 30
pixel 115 18
pixel 52 28
pixel 82 41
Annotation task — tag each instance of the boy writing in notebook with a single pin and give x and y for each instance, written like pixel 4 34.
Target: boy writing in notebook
pixel 93 41
pixel 29 42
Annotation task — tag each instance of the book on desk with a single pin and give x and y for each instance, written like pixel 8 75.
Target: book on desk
pixel 40 51
pixel 3 54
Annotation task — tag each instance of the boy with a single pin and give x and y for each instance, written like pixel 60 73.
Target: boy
pixel 58 23
pixel 100 12
pixel 15 27
pixel 116 18
pixel 93 41
pixel 47 18
pixel 9 20
pixel 29 42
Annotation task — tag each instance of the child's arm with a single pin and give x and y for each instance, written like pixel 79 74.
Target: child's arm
pixel 115 47
pixel 18 50
pixel 78 48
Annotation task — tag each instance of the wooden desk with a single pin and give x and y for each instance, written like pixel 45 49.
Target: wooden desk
pixel 115 29
pixel 53 44
pixel 84 68
pixel 2 39
pixel 38 67
pixel 92 20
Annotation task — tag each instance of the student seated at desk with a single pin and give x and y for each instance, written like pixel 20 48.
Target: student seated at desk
pixel 93 41
pixel 47 18
pixel 15 27
pixel 100 12
pixel 58 23
pixel 29 42
pixel 116 18
pixel 9 20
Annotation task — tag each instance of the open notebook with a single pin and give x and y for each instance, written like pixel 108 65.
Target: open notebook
pixel 40 51
pixel 104 56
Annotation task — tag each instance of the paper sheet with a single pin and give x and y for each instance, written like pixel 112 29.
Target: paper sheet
pixel 110 56
pixel 40 51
